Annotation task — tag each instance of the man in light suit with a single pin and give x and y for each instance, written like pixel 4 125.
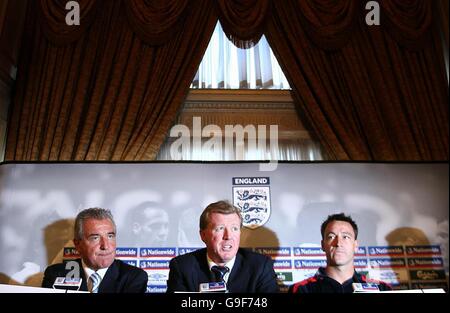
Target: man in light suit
pixel 95 240
pixel 222 259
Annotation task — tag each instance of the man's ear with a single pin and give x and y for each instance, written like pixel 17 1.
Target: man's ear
pixel 202 235
pixel 356 246
pixel 321 245
pixel 76 243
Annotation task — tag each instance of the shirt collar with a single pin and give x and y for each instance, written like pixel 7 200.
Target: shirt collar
pixel 322 274
pixel 88 271
pixel 229 264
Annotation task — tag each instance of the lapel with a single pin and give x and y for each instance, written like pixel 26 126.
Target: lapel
pixel 109 282
pixel 83 286
pixel 203 274
pixel 236 274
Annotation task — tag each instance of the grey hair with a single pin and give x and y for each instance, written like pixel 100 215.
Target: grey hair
pixel 91 213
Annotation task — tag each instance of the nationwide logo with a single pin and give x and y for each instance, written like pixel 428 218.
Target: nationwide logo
pixel 386 251
pixel 182 251
pixel 153 265
pixel 427 274
pixel 156 289
pixel 426 262
pixel 386 263
pixel 365 287
pixel 360 263
pixel 274 252
pixel 308 251
pixel 301 264
pixel 282 264
pixel 252 196
pixel 213 287
pixel 70 252
pixel 361 251
pixel 130 262
pixel 157 252
pixel 127 252
pixel 423 250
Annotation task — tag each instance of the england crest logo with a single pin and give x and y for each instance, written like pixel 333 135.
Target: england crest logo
pixel 252 196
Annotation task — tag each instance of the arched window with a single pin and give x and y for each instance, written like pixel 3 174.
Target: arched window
pixel 231 91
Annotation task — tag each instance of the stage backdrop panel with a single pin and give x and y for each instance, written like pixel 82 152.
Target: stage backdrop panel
pixel 401 210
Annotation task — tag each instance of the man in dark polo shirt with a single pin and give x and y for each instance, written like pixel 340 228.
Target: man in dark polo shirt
pixel 339 242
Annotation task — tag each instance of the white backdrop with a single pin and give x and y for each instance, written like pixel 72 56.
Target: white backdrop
pixel 393 204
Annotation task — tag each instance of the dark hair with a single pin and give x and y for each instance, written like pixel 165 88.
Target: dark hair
pixel 339 217
pixel 222 207
pixel 91 213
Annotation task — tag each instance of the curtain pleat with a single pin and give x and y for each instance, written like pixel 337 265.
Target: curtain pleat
pixel 442 10
pixel 329 24
pixel 52 16
pixel 373 98
pixel 408 21
pixel 243 21
pixel 157 21
pixel 108 95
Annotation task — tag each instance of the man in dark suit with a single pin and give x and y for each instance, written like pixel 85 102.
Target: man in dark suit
pixel 95 240
pixel 222 259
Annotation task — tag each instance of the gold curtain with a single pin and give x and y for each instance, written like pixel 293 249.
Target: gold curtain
pixel 243 21
pixel 368 92
pixel 111 89
pixel 113 93
pixel 52 17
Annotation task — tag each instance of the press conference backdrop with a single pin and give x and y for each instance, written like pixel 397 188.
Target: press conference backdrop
pixel 401 210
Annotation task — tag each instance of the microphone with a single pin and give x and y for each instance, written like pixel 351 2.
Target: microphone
pixel 213 287
pixel 67 283
pixel 365 287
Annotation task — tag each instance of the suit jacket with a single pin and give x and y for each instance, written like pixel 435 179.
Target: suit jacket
pixel 120 277
pixel 252 272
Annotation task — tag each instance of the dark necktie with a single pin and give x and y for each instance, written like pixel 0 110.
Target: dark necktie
pixel 219 272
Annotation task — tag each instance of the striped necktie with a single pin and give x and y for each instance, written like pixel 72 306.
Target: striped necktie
pixel 95 280
pixel 219 272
